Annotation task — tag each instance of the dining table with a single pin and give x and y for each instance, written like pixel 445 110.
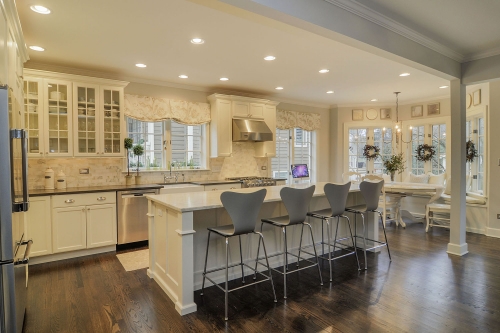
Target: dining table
pixel 408 189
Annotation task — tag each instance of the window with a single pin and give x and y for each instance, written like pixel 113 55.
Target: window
pixel 475 129
pixel 301 151
pixel 357 141
pixel 438 163
pixel 186 143
pixel 418 137
pixel 382 139
pixel 150 136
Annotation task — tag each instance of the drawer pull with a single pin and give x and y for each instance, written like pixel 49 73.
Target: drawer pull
pixel 214 189
pixel 69 201
pixel 233 188
pixel 101 198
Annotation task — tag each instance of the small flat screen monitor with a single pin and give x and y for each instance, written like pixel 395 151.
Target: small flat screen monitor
pixel 300 171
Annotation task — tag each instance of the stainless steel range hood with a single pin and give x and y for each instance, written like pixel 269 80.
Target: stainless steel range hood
pixel 251 130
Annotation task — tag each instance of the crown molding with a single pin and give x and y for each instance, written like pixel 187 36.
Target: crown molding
pixel 15 25
pixel 481 55
pixel 396 27
pixel 114 76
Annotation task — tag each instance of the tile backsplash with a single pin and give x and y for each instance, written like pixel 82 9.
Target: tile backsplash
pixel 109 171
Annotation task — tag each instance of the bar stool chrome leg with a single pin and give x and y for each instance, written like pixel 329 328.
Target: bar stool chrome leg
pixel 241 260
pixel 267 261
pixel 227 278
pixel 284 258
pixel 300 244
pixel 258 250
pixel 353 240
pixel 328 231
pixel 205 270
pixel 315 253
pixel 364 239
pixel 385 235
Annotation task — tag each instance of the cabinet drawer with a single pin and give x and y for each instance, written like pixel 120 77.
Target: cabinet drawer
pixel 222 187
pixel 86 199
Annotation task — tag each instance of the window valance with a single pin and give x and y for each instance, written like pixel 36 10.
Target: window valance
pixel 146 108
pixel 291 119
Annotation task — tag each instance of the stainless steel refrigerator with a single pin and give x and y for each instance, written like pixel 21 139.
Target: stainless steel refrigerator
pixel 14 249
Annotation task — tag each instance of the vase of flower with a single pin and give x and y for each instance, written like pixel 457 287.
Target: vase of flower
pixel 393 164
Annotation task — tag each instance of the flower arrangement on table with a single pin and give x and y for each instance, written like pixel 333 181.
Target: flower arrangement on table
pixel 371 152
pixel 393 164
pixel 425 152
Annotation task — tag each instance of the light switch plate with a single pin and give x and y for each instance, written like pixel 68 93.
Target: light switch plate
pixel 84 171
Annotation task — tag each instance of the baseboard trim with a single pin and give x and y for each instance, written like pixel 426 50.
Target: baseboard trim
pixel 457 249
pixel 493 232
pixel 71 254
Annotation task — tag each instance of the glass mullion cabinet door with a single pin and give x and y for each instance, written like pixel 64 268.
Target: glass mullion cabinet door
pixel 33 115
pixel 112 129
pixel 58 118
pixel 86 112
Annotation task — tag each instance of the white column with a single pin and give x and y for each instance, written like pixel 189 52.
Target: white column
pixel 457 244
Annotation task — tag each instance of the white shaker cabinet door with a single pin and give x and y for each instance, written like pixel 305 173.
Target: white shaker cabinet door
pixel 101 225
pixel 39 226
pixel 69 229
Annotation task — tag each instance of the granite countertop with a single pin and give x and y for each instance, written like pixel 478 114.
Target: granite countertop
pixel 216 182
pixel 188 202
pixel 90 189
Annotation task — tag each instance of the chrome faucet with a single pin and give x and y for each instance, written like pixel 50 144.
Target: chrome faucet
pixel 165 177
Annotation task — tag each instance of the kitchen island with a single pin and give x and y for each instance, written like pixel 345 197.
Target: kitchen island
pixel 178 237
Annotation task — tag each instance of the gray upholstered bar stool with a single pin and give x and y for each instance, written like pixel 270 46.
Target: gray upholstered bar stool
pixel 296 202
pixel 371 193
pixel 337 198
pixel 243 209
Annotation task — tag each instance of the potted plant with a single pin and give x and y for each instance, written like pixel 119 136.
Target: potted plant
pixel 138 151
pixel 128 143
pixel 393 164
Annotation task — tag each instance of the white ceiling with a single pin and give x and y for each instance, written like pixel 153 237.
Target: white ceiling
pixel 469 27
pixel 111 36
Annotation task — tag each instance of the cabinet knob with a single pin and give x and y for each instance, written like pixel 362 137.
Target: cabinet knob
pixel 83 209
pixel 41 153
pixel 88 208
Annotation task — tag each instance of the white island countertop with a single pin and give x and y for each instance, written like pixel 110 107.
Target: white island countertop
pixel 188 202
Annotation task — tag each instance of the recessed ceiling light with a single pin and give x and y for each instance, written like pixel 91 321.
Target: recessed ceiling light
pixel 183 76
pixel 374 100
pixel 404 74
pixel 37 48
pixel 324 71
pixel 197 41
pixel 40 9
pixel 140 65
pixel 269 58
pixel 279 88
pixel 443 87
pixel 329 92
pixel 224 79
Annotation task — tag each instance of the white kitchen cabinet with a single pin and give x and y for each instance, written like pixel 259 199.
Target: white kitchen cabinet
pixel 57 110
pixel 268 148
pixel 69 229
pixel 222 187
pixel 101 225
pixel 226 107
pixel 39 226
pixel 221 130
pixel 83 221
pixel 71 115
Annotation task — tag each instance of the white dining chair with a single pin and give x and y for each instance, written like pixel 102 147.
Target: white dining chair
pixel 388 202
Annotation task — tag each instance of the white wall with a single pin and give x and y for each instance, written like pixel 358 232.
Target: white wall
pixel 494 155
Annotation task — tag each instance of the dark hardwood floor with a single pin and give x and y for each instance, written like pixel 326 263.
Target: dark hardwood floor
pixel 422 290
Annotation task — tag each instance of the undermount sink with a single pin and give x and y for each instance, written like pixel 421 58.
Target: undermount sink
pixel 180 188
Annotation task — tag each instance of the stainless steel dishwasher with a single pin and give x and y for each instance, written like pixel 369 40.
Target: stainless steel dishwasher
pixel 132 207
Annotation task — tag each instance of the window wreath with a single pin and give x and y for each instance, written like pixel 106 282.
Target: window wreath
pixel 471 151
pixel 371 152
pixel 425 152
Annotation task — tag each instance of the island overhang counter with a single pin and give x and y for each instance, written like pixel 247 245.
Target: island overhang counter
pixel 178 237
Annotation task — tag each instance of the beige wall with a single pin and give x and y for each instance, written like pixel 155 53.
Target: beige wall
pixel 494 155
